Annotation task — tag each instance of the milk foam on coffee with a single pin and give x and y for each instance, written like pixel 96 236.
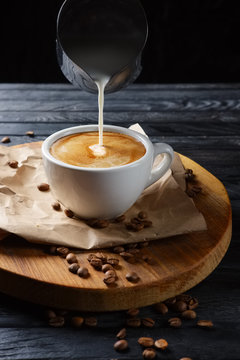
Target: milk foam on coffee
pixel 78 150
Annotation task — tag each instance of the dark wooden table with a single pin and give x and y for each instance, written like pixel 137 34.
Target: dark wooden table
pixel 199 121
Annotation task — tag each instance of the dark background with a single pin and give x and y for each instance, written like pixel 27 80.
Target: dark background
pixel 189 41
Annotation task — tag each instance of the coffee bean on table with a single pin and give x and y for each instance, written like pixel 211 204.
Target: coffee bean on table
pixel 73 268
pixel 56 206
pixel 29 133
pixel 179 306
pixel 161 344
pixel 91 321
pixel 57 321
pixel 83 272
pixel 161 308
pixel 134 322
pixel 147 223
pixel 205 323
pixel 62 251
pixel 189 314
pixel 52 250
pixel 118 249
pixel 121 345
pixel 109 279
pixel 175 322
pixel 71 258
pixel 69 213
pixel 5 140
pixel 126 255
pixel 77 321
pixel 142 215
pixel 122 333
pixel 133 312
pixel 146 341
pixel 144 244
pixel 112 261
pixel 169 302
pixel 149 353
pixel 120 218
pixel 13 164
pixel 43 187
pixel 106 267
pixel 96 263
pixel 91 256
pixel 193 303
pixel 97 223
pixel 132 277
pixel 148 322
pixel 101 256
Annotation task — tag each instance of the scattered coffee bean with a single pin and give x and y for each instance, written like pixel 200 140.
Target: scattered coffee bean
pixel 133 312
pixel 133 227
pixel 50 314
pixel 91 256
pixel 147 223
pixel 73 268
pixel 126 255
pixel 122 333
pixel 146 341
pixel 179 306
pixel 121 345
pixel 193 303
pixel 57 321
pixel 133 251
pixel 175 322
pixel 62 251
pixel 83 272
pixel 134 322
pixel 149 353
pixel 138 227
pixel 189 314
pixel 161 344
pixel 5 140
pixel 132 277
pixel 56 206
pixel 148 322
pixel 189 175
pixel 120 218
pixel 91 321
pixel 106 267
pixel 43 187
pixel 13 164
pixel 193 190
pixel 186 358
pixel 96 263
pixel 149 260
pixel 132 246
pixel 161 308
pixel 29 133
pixel 101 256
pixel 205 323
pixel 135 221
pixel 111 272
pixel 112 261
pixel 118 249
pixel 77 321
pixel 71 258
pixel 142 215
pixel 109 278
pixel 170 301
pixel 69 213
pixel 97 223
pixel 52 250
pixel 184 297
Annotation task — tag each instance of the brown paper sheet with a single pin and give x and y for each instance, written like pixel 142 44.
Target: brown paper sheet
pixel 27 212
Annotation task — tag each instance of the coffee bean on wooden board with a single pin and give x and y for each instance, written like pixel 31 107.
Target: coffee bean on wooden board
pixel 122 333
pixel 106 267
pixel 126 255
pixel 91 256
pixel 132 277
pixel 43 187
pixel 149 353
pixel 189 314
pixel 148 322
pixel 189 175
pixel 57 321
pixel 96 263
pixel 13 164
pixel 175 322
pixel 29 133
pixel 69 213
pixel 133 312
pixel 73 268
pixel 77 321
pixel 112 261
pixel 121 345
pixel 101 256
pixel 144 244
pixel 118 249
pixel 134 322
pixel 62 251
pixel 205 324
pixel 109 279
pixel 5 140
pixel 56 206
pixel 161 344
pixel 91 321
pixel 146 341
pixel 83 272
pixel 161 308
pixel 52 250
pixel 71 258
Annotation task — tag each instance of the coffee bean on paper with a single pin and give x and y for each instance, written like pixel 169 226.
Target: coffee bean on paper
pixel 133 322
pixel 62 251
pixel 148 322
pixel 73 268
pixel 161 308
pixel 205 323
pixel 5 140
pixel 43 187
pixel 56 206
pixel 83 272
pixel 184 297
pixel 133 312
pixel 149 353
pixel 77 321
pixel 69 213
pixel 189 314
pixel 91 321
pixel 29 133
pixel 106 267
pixel 132 277
pixel 122 333
pixel 175 322
pixel 57 321
pixel 112 261
pixel 13 164
pixel 179 306
pixel 118 249
pixel 121 345
pixel 161 344
pixel 120 218
pixel 71 258
pixel 146 341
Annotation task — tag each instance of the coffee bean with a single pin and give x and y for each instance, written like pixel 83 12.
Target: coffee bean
pixel 5 140
pixel 186 358
pixel 170 301
pixel 133 322
pixel 50 314
pixel 52 250
pixel 77 321
pixel 161 344
pixel 133 312
pixel 184 297
pixel 83 272
pixel 146 341
pixel 29 133
pixel 193 303
pixel 144 244
pixel 149 353
pixel 189 176
pixel 133 251
pixel 149 260
pixel 97 223
pixel 189 314
pixel 142 215
pixel 96 263
pixel 73 268
pixel 120 218
pixel 126 255
pixel 135 221
pixel 175 322
pixel 122 333
pixel 132 246
pixel 118 249
pixel 13 164
pixel 148 322
pixel 132 277
pixel 109 279
pixel 112 261
pixel 146 223
pixel 179 306
pixel 111 272
pixel 161 308
pixel 121 345
pixel 205 323
pixel 91 256
pixel 193 190
pixel 69 213
pixel 62 251
pixel 91 321
pixel 57 321
pixel 101 256
pixel 43 187
pixel 106 267
pixel 130 226
pixel 56 206
pixel 71 258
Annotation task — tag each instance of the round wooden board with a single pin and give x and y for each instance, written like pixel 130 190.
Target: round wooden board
pixel 29 273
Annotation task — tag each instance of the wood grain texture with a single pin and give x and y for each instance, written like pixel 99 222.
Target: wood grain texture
pixel 180 263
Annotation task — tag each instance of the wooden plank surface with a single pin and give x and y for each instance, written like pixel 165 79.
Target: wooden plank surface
pixel 201 122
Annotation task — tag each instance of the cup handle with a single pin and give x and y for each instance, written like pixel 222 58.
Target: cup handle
pixel 161 169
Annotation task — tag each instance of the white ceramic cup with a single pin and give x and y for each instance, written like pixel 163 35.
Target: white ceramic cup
pixel 103 192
